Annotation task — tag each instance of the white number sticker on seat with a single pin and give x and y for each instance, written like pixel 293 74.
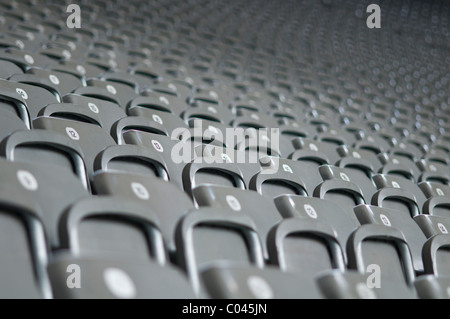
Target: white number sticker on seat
pixel 27 180
pixel 140 191
pixel 54 79
pixel 385 220
pixel 310 211
pixel 119 283
pixel 287 168
pixel 72 133
pixel 442 228
pixel 233 203
pixel 111 89
pixel 345 177
pixel 93 107
pixel 157 145
pixel 28 58
pixel 22 93
pixel 157 119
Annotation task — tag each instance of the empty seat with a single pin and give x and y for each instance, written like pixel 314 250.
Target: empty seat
pixel 23 249
pixel 14 101
pixel 155 111
pixel 307 247
pixel 112 226
pixel 431 287
pixel 8 69
pixel 50 189
pixel 50 148
pixel 207 170
pixel 106 277
pixel 322 211
pixel 343 191
pixel 201 232
pixel 36 97
pixel 434 172
pixel 436 256
pixel 132 159
pixel 58 83
pixel 91 138
pixel 361 178
pixel 382 249
pixel 259 209
pixel 107 112
pixel 149 191
pixel 9 123
pixel 400 220
pixel 176 153
pixel 240 282
pixel 431 189
pixel 355 285
pixel 277 177
pixel 311 159
pixel 398 193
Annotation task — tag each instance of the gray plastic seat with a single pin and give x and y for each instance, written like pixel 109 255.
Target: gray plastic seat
pixel 8 68
pixel 436 256
pixel 342 190
pixel 50 189
pixel 310 160
pixel 383 248
pixel 261 210
pixel 323 149
pixel 354 285
pixel 184 153
pixel 431 287
pixel 23 248
pixel 240 282
pixel 9 123
pixel 400 220
pixel 156 111
pixel 201 232
pixel 57 82
pixel 304 246
pixel 112 226
pixel 432 189
pixel 107 112
pixel 45 147
pixel 356 176
pixel 148 191
pixel 106 277
pixel 211 171
pixel 398 193
pixel 321 211
pixel 277 177
pixel 91 138
pixel 36 97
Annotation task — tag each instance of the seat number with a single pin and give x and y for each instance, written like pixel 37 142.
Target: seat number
pixel 442 228
pixel 72 133
pixel 27 180
pixel 287 168
pixel 140 191
pixel 119 283
pixel 344 177
pixel 233 203
pixel 157 145
pixel 385 220
pixel 310 211
pixel 157 119
pixel 22 93
pixel 93 107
